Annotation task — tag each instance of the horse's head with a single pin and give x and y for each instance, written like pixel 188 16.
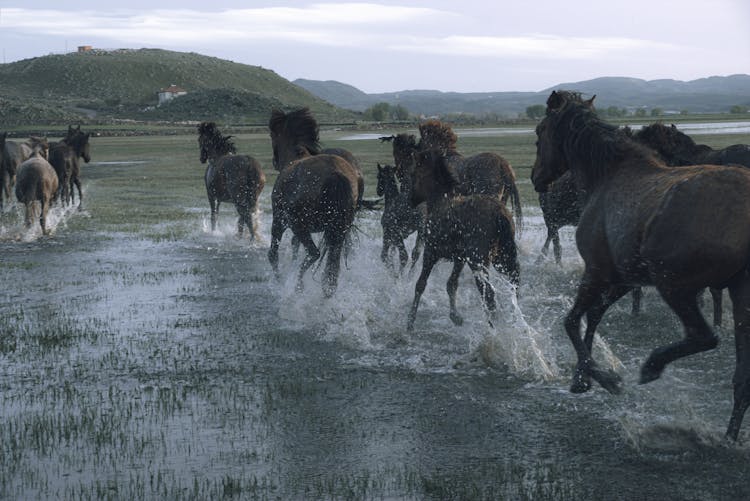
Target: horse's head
pixel 432 177
pixel 404 149
pixel 212 144
pixel 294 135
pixel 386 179
pixel 435 135
pixel 39 146
pixel 674 146
pixel 551 162
pixel 79 141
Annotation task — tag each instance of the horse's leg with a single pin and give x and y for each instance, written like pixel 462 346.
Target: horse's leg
pixel 417 250
pixel 384 254
pixel 637 295
pixel 214 204
pixel 716 297
pixel 241 220
pixel 295 247
pixel 333 266
pixel 428 261
pixel 595 314
pixel 545 247
pixel 452 286
pixel 403 256
pixel 313 254
pixel 481 278
pixel 78 185
pixel 740 294
pixel 589 295
pixel 557 248
pixel 277 231
pixel 698 335
pixel 43 206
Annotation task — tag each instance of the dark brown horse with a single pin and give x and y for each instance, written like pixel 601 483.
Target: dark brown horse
pixel 230 178
pixel 645 223
pixel 467 229
pixel 405 146
pixel 399 219
pixel 36 181
pixel 677 148
pixel 561 206
pixel 314 192
pixel 64 156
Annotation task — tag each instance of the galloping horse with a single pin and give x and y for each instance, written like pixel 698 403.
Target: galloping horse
pixel 36 181
pixel 399 219
pixel 476 230
pixel 229 177
pixel 645 223
pixel 64 158
pixel 677 148
pixel 314 192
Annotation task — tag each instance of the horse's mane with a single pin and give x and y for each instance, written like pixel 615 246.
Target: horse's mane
pixel 676 146
pixel 590 143
pixel 298 126
pixel 211 139
pixel 437 136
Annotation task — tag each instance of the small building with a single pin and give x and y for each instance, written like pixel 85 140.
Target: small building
pixel 84 48
pixel 170 93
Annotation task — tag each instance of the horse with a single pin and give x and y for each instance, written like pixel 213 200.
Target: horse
pixel 646 223
pixel 314 192
pixel 405 146
pixel 481 174
pixel 230 177
pixel 12 155
pixel 476 230
pixel 399 219
pixel 678 149
pixel 36 180
pixel 64 157
pixel 561 206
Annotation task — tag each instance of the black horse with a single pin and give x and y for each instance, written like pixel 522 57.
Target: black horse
pixel 677 148
pixel 64 156
pixel 399 219
pixel 230 178
pixel 314 192
pixel 476 230
pixel 645 223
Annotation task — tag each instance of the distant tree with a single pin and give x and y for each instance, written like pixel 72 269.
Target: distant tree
pixel 536 111
pixel 738 108
pixel 399 113
pixel 640 112
pixel 684 112
pixel 615 112
pixel 378 112
pixel 657 112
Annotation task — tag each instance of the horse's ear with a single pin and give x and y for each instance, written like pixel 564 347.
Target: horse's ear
pixel 590 102
pixel 380 167
pixel 674 127
pixel 386 139
pixel 555 101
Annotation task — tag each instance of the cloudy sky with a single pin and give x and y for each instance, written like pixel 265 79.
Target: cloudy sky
pixel 382 46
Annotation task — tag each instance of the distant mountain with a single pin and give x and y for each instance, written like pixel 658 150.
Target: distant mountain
pixel 713 94
pixel 124 84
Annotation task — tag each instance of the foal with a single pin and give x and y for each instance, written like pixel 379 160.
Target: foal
pixel 399 219
pixel 476 230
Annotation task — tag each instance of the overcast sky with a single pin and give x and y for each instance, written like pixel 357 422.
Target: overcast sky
pixel 383 46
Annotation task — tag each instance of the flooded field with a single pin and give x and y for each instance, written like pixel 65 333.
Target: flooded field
pixel 144 356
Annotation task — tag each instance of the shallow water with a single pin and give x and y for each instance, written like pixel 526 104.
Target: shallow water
pixel 137 368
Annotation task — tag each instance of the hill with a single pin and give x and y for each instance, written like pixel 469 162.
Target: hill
pixel 713 94
pixel 124 84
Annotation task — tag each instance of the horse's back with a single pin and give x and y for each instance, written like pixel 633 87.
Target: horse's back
pixel 234 178
pixel 36 180
pixel 738 154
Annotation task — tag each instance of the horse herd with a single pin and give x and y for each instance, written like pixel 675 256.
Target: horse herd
pixel 651 208
pixel 642 220
pixel 41 172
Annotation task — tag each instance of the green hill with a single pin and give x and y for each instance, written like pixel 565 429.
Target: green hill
pixel 124 84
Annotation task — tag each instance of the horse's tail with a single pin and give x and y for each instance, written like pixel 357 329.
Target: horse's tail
pixel 340 206
pixel 511 189
pixel 506 261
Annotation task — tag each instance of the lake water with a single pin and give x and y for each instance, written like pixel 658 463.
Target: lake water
pixel 139 366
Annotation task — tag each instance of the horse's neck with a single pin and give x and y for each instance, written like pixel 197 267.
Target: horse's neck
pixel 390 191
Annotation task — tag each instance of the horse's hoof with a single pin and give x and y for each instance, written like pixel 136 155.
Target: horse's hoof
pixel 580 384
pixel 457 319
pixel 650 373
